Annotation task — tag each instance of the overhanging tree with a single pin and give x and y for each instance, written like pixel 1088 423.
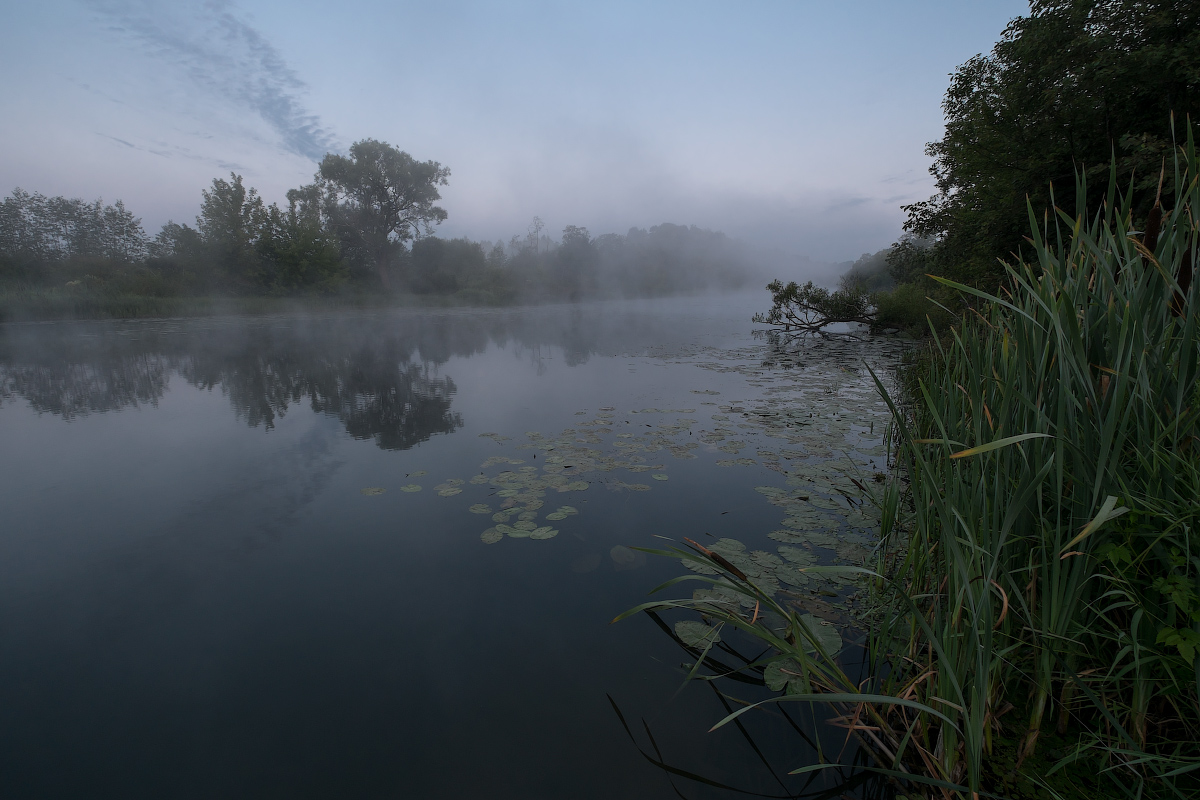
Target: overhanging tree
pixel 1066 90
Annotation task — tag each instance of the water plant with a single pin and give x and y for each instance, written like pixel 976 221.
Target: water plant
pixel 1037 559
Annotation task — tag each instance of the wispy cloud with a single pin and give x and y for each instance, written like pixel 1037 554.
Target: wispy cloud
pixel 220 54
pixel 167 150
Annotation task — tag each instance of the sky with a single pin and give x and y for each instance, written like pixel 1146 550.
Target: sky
pixel 799 126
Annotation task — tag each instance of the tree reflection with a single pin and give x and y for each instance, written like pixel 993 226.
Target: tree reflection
pixel 375 383
pixel 379 374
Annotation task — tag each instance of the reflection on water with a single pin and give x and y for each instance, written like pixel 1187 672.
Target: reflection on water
pixel 377 374
pixel 187 601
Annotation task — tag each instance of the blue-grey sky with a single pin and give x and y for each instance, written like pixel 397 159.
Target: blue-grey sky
pixel 800 125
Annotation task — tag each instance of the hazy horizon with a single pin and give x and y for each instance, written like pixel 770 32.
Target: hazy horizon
pixel 797 127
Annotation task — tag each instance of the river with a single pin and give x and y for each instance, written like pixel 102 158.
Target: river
pixel 377 554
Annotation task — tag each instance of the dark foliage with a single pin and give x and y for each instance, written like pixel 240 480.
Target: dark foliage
pixel 1067 89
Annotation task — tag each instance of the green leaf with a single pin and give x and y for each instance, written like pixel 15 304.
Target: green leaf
pixel 998 443
pixel 696 634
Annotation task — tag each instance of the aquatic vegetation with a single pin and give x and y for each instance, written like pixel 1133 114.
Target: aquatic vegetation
pixel 373 491
pixel 1035 621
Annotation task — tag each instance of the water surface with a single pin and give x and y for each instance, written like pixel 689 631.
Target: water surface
pixel 213 583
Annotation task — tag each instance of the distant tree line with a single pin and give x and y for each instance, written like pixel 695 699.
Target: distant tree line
pixel 365 224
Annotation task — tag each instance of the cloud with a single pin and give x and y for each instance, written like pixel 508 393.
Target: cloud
pixel 218 53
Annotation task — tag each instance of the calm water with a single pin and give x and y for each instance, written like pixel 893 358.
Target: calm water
pixel 212 583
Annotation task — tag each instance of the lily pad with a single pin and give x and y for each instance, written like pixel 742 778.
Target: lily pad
pixel 696 634
pixel 785 675
pixel 372 491
pixel 450 491
pixel 417 474
pixel 556 516
pixel 491 536
pixel 480 508
pixel 658 476
pixel 525 525
pixel 577 486
pixel 825 633
pixel 544 532
pixel 412 487
pixel 625 559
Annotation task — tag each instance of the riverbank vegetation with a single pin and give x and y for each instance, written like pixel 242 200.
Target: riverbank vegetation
pixel 1037 575
pixel 1076 88
pixel 362 234
pixel 1037 578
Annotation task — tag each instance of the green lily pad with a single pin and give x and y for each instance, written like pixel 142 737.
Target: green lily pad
pixel 826 635
pixel 659 476
pixel 577 486
pixel 417 474
pixel 372 491
pixel 525 525
pixel 491 536
pixel 700 567
pixel 480 508
pixel 798 556
pixel 544 532
pixel 696 634
pixel 568 509
pixel 501 516
pixel 412 487
pixel 450 491
pixel 556 516
pixel 785 675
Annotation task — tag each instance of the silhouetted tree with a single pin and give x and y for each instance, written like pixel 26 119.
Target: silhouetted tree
pixel 378 198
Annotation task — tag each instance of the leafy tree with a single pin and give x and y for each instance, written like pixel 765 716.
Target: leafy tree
pixel 576 262
pixel 296 254
pixel 809 309
pixel 438 265
pixel 870 272
pixel 1065 90
pixel 38 231
pixel 232 219
pixel 377 198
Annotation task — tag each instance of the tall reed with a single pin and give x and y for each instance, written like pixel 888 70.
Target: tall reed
pixel 1055 479
pixel 1045 576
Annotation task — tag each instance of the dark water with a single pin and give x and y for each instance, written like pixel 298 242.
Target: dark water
pixel 198 599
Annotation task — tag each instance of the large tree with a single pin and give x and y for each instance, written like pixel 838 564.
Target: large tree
pixel 231 222
pixel 378 198
pixel 1066 90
